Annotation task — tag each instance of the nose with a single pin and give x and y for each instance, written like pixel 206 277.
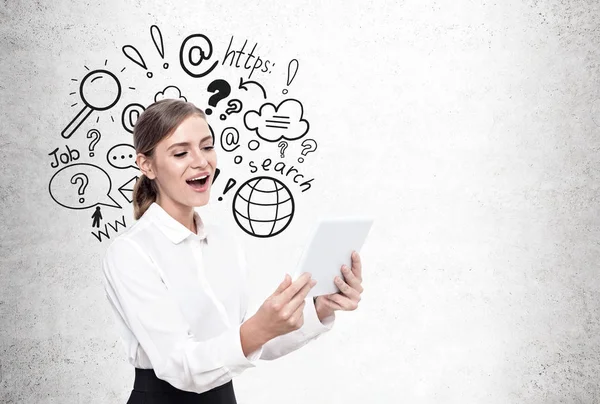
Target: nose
pixel 199 159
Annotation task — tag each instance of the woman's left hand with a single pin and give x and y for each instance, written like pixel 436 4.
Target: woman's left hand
pixel 350 288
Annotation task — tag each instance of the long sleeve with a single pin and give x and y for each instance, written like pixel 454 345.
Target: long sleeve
pixel 136 291
pixel 284 344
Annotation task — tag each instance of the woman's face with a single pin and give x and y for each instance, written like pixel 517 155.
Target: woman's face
pixel 187 154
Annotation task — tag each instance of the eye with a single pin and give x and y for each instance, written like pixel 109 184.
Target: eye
pixel 180 154
pixel 209 147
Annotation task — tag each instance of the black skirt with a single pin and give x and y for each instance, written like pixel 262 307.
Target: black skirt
pixel 149 389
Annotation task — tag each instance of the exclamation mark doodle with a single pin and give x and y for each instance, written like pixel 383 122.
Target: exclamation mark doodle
pixel 230 184
pixel 292 70
pixel 133 55
pixel 158 42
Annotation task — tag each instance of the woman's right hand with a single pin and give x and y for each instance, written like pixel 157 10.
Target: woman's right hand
pixel 282 312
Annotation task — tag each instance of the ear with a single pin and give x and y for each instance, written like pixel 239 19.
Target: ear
pixel 145 165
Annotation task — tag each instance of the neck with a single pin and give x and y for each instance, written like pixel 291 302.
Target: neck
pixel 182 213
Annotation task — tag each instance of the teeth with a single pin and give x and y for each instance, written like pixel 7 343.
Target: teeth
pixel 198 178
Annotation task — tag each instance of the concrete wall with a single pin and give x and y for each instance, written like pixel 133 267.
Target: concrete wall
pixel 470 130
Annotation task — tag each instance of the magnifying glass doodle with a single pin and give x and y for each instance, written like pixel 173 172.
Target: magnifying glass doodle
pixel 99 90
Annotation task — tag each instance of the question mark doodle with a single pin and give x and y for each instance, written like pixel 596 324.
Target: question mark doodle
pixel 158 42
pixel 84 182
pixel 292 70
pixel 222 89
pixel 309 146
pixel 134 55
pixel 96 135
pixel 235 106
pixel 283 144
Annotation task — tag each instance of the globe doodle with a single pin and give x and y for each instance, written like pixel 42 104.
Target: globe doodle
pixel 263 207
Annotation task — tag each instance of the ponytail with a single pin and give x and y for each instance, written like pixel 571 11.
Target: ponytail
pixel 144 194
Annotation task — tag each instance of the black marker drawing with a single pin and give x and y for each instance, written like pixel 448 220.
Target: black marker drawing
pixel 212 133
pixel 65 158
pixel 81 186
pixel 292 70
pixel 172 92
pixel 235 106
pixel 130 115
pixel 230 184
pixel 99 90
pixel 134 55
pixel 158 43
pixel 263 207
pixel 309 146
pixel 95 135
pixel 115 228
pixel 127 189
pixel 243 86
pixel 122 156
pixel 237 159
pixel 283 144
pixel 253 144
pixel 217 172
pixel 273 123
pixel 194 50
pixel 82 181
pixel 258 63
pixel 230 138
pixel 222 90
pixel 281 168
pixel 97 216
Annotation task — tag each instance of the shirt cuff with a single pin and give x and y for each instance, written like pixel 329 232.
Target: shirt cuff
pixel 235 360
pixel 312 324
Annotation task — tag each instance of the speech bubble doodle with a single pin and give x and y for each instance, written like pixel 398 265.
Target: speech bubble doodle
pixel 130 115
pixel 68 187
pixel 122 156
pixel 230 139
pixel 273 123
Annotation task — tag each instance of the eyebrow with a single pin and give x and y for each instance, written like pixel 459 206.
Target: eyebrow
pixel 187 143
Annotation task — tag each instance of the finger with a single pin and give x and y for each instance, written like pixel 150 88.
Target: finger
pixel 344 302
pixel 299 298
pixel 330 303
pixel 295 287
pixel 283 285
pixel 347 289
pixel 295 317
pixel 351 279
pixel 357 265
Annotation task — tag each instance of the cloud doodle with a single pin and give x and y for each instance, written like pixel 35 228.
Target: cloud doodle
pixel 273 123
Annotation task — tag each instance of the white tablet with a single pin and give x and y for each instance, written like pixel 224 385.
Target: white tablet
pixel 330 247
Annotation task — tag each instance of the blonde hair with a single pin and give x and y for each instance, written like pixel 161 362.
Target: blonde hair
pixel 157 122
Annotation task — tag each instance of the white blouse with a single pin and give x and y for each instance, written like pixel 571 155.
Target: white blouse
pixel 179 299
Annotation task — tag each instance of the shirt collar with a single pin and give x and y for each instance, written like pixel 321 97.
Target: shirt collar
pixel 175 231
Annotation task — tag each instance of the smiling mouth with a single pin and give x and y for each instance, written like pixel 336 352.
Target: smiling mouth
pixel 199 184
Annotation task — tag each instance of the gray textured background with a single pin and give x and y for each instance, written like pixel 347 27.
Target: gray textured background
pixel 470 129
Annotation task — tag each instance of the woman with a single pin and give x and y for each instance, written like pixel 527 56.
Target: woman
pixel 178 286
